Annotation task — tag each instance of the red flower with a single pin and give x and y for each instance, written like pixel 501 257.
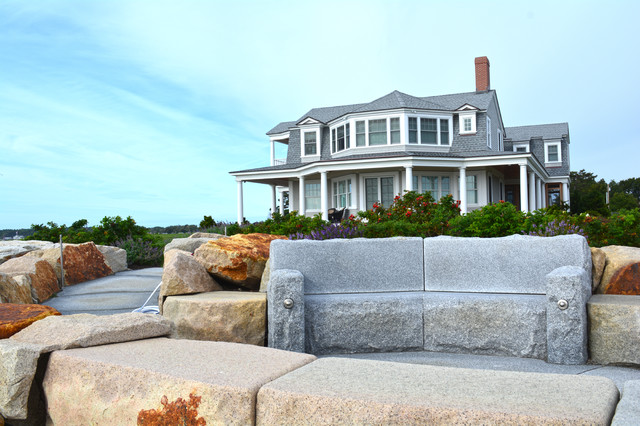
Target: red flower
pixel 408 213
pixel 502 201
pixel 389 214
pixel 352 217
pixel 397 197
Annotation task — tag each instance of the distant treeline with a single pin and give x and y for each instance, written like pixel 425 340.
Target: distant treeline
pixel 10 233
pixel 173 229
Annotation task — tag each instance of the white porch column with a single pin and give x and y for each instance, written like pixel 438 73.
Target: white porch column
pixel 538 193
pixel 532 191
pixel 409 178
pixel 240 203
pixel 463 190
pixel 273 153
pixel 323 196
pixel 302 208
pixel 273 199
pixel 524 198
pixel 565 193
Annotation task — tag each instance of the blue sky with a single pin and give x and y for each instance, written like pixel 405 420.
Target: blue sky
pixel 142 108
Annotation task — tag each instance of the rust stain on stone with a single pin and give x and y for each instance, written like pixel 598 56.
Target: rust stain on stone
pixel 626 281
pixel 45 281
pixel 14 317
pixel 178 412
pixel 84 262
pixel 254 246
pixel 237 271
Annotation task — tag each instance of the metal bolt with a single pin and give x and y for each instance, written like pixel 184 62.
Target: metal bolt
pixel 288 303
pixel 563 304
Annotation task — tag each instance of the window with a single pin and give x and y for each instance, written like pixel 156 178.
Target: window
pixel 500 141
pixel 437 186
pixel 467 121
pixel 342 193
pixel 312 196
pixel 360 134
pixel 553 194
pixel 552 153
pixel 394 126
pixel 444 132
pixel 377 132
pixel 413 130
pixel 340 138
pixel 521 149
pixel 488 132
pixel 310 146
pixel 467 124
pixel 415 184
pixel 472 189
pixel 378 189
pixel 428 131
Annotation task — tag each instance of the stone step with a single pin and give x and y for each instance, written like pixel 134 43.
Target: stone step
pixel 349 391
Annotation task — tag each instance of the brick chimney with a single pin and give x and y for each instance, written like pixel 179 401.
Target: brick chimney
pixel 482 74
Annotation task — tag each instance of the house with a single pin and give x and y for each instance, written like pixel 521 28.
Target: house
pixel 352 156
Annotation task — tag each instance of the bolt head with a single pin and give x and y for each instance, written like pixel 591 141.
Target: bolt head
pixel 563 304
pixel 288 303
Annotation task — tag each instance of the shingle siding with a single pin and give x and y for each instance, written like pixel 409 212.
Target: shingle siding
pixel 293 150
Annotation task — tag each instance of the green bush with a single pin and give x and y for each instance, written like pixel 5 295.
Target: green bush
pixel 142 252
pixel 622 228
pixel 493 220
pixel 286 224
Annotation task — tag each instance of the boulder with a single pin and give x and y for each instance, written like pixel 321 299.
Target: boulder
pixel 12 291
pixel 239 259
pixel 84 330
pixel 15 317
pixel 208 235
pixel 622 271
pixel 182 274
pixel 187 244
pixel 614 329
pixel 266 277
pixel 82 262
pixel 18 364
pixel 598 261
pixel 114 257
pixel 34 273
pixel 11 249
pixel 223 316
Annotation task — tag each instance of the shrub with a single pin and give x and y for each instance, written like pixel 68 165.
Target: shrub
pixel 290 223
pixel 112 229
pixel 141 252
pixel 493 220
pixel 554 227
pixel 329 232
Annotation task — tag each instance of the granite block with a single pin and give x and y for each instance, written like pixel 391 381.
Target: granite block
pixel 286 324
pixel 514 264
pixel 628 410
pixel 614 329
pixel 486 324
pixel 352 323
pixel 568 287
pixel 353 266
pixel 348 391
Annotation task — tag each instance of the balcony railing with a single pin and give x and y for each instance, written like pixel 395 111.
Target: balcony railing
pixel 279 161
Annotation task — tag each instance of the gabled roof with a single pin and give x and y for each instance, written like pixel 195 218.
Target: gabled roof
pixel 480 100
pixel 545 131
pixel 396 100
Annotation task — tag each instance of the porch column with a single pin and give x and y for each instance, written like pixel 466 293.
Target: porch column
pixel 301 209
pixel 282 201
pixel 409 178
pixel 538 193
pixel 524 198
pixel 532 191
pixel 240 203
pixel 323 196
pixel 273 153
pixel 463 190
pixel 273 199
pixel 565 193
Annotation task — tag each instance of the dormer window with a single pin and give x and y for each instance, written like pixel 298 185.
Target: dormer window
pixel 310 143
pixel 552 153
pixel 467 120
pixel 466 124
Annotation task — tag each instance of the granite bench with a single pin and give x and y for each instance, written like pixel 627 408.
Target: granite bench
pixel 514 296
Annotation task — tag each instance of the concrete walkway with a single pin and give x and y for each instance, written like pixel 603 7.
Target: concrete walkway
pixel 115 294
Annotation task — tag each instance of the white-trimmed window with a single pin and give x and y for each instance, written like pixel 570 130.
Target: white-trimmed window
pixel 472 189
pixel 488 132
pixel 361 133
pixel 378 189
pixel 467 122
pixel 342 193
pixel 438 186
pixel 521 147
pixel 378 132
pixel 312 195
pixel 340 138
pixel 310 143
pixel 552 152
pixel 428 131
pixel 500 141
pixel 394 128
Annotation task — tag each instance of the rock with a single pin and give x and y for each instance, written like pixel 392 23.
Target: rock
pixel 83 330
pixel 82 262
pixel 208 235
pixel 266 277
pixel 622 271
pixel 614 329
pixel 12 291
pixel 239 259
pixel 11 249
pixel 18 364
pixel 114 257
pixel 112 384
pixel 35 273
pixel 628 409
pixel 15 317
pixel 224 316
pixel 598 261
pixel 182 274
pixel 187 244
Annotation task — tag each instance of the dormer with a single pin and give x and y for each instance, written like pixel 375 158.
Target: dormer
pixel 467 119
pixel 309 139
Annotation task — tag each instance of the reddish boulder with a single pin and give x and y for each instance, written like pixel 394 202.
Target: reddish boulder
pixel 15 317
pixel 621 272
pixel 625 281
pixel 82 262
pixel 239 259
pixel 34 273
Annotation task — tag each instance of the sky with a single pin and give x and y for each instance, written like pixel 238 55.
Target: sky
pixel 142 108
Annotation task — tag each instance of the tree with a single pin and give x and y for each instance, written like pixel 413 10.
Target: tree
pixel 587 194
pixel 207 223
pixel 629 187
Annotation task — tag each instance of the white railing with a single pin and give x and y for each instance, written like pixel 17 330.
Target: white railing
pixel 279 161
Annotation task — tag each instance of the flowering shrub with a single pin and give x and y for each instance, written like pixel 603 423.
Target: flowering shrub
pixel 621 229
pixel 328 232
pixel 555 227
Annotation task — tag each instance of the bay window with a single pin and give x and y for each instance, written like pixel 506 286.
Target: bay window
pixel 428 131
pixel 377 132
pixel 394 125
pixel 361 137
pixel 340 138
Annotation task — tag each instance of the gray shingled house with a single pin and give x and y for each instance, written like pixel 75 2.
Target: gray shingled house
pixel 351 156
